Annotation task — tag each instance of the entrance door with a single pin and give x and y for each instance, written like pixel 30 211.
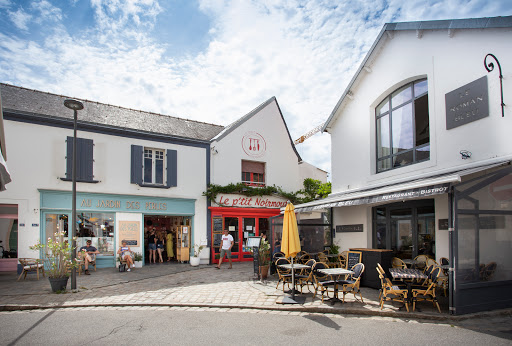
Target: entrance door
pixel 231 224
pixel 401 233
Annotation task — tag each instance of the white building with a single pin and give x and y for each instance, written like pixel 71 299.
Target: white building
pixel 421 154
pixel 136 171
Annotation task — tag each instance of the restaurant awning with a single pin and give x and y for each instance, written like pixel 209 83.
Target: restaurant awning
pixel 418 188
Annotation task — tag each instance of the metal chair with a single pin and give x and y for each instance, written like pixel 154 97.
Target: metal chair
pixel 285 275
pixel 398 263
pixel 427 293
pixel 322 281
pixel 387 290
pixel 352 284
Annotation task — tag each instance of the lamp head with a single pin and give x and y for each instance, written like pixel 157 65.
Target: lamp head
pixel 73 104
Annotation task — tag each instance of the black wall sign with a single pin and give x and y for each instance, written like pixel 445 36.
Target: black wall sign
pixel 467 103
pixel 349 228
pixel 443 224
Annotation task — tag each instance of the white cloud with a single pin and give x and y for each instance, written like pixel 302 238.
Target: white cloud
pixel 20 18
pixel 46 11
pixel 302 52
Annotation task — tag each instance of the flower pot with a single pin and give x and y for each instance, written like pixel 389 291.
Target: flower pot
pixel 137 264
pixel 59 284
pixel 194 261
pixel 264 272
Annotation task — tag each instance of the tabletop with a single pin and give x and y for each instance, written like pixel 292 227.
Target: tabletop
pixel 294 266
pixel 335 271
pixel 406 273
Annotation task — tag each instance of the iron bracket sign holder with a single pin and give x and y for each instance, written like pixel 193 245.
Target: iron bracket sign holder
pixel 489 67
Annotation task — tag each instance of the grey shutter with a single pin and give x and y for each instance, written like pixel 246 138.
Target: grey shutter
pixel 85 159
pixel 172 168
pixel 69 157
pixel 136 166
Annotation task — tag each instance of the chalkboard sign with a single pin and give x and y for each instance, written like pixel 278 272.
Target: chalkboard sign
pixel 217 239
pixel 353 258
pixel 256 262
pixel 130 242
pixel 253 241
pixel 217 224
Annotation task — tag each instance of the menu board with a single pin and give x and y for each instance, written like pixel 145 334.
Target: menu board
pixel 129 231
pixel 217 239
pixel 353 258
pixel 217 224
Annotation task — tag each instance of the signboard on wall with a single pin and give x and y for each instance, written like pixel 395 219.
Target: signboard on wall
pixel 129 231
pixel 240 201
pixel 467 103
pixel 349 228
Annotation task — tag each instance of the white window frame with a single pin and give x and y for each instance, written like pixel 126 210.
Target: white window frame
pixel 155 155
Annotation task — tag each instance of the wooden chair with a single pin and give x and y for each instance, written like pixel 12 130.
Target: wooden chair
pixel 391 292
pixel 322 281
pixel 342 258
pixel 431 261
pixel 277 255
pixel 306 276
pixel 304 258
pixel 487 272
pixel 422 262
pixel 352 284
pixel 285 275
pixel 428 292
pixel 322 257
pixel 31 265
pixel 81 261
pixel 398 263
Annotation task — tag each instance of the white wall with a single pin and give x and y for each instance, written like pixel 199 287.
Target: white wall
pixel 281 162
pixel 351 216
pixel 447 63
pixel 307 170
pixel 37 160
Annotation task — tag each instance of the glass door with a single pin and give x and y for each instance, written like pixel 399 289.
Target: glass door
pixel 249 230
pixel 402 233
pixel 425 242
pixel 231 224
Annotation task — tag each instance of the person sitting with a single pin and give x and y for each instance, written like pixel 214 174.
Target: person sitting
pixel 126 255
pixel 89 255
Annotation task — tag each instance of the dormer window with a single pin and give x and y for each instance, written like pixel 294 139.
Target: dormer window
pixel 402 126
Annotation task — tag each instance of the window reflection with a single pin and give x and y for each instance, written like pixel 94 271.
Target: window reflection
pixel 99 228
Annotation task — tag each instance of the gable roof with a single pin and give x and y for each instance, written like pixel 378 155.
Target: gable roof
pixel 231 127
pixel 449 25
pixel 27 101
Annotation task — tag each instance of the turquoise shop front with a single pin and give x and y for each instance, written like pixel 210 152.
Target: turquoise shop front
pixel 106 219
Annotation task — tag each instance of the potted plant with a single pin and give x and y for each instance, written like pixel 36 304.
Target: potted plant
pixel 264 258
pixel 194 260
pixel 57 256
pixel 137 260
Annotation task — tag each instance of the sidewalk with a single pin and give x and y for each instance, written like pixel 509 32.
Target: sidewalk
pixel 204 286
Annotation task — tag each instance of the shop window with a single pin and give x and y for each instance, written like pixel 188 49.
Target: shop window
pixel 152 167
pixel 84 162
pixel 402 127
pixel 99 228
pixel 253 173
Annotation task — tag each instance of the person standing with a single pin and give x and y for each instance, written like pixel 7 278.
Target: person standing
pixel 160 242
pixel 89 255
pixel 152 245
pixel 227 243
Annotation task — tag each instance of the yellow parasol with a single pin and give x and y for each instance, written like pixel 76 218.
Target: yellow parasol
pixel 290 243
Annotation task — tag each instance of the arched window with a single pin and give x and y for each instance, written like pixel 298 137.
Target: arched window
pixel 402 126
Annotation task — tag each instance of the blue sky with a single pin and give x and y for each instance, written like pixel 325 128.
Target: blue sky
pixel 208 60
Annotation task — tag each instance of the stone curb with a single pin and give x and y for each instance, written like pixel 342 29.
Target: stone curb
pixel 338 311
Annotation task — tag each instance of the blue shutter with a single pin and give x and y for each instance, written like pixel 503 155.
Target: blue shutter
pixel 136 166
pixel 172 168
pixel 86 160
pixel 69 158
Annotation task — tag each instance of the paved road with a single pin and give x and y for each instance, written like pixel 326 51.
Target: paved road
pixel 192 326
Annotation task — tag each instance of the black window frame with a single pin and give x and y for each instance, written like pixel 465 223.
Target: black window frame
pixel 389 112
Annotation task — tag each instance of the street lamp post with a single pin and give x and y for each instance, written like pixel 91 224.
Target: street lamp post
pixel 75 106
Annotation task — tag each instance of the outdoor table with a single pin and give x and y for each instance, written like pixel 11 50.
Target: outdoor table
pixel 409 274
pixel 294 266
pixel 335 272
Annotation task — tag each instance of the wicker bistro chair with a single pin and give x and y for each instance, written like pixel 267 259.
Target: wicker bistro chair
pixel 352 284
pixel 306 276
pixel 342 258
pixel 304 258
pixel 427 292
pixel 431 261
pixel 322 281
pixel 398 263
pixel 31 265
pixel 421 262
pixel 285 275
pixel 391 292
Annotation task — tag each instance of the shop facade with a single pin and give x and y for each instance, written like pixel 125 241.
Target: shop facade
pixel 434 178
pixel 135 170
pixel 256 151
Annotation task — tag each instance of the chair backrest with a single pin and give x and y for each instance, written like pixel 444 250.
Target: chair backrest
pixel 398 263
pixel 322 257
pixel 304 258
pixel 278 255
pixel 318 275
pixel 444 261
pixel 431 261
pixel 310 262
pixel 280 261
pixel 487 272
pixel 358 270
pixel 380 269
pixel 429 269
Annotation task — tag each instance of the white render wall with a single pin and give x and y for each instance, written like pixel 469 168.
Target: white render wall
pixel 281 162
pixel 447 63
pixel 37 159
pixel 307 170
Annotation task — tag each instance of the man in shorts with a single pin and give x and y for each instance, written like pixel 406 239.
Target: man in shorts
pixel 227 244
pixel 89 255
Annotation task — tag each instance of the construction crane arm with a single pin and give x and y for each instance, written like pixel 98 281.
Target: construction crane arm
pixel 308 134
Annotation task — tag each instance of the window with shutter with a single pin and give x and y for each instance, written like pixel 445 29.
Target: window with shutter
pixel 253 173
pixel 151 167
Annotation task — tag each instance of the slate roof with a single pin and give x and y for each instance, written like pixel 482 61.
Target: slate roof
pixel 22 100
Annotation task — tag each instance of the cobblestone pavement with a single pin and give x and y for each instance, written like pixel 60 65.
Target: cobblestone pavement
pixel 181 286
